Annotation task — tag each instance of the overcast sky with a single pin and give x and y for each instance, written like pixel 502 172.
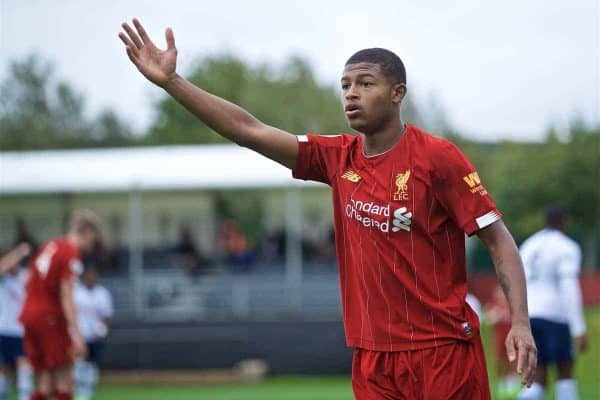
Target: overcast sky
pixel 503 69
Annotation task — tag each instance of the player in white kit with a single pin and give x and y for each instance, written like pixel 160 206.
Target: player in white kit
pixel 95 309
pixel 552 263
pixel 12 295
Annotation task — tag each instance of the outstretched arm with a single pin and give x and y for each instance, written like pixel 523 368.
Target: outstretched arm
pixel 520 345
pixel 227 119
pixel 13 257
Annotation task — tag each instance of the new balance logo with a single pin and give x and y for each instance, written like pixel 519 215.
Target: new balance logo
pixel 472 179
pixel 351 176
pixel 402 220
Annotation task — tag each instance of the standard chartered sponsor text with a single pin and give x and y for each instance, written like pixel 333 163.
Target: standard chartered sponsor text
pixel 364 212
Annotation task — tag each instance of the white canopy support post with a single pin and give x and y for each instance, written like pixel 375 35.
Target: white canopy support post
pixel 136 260
pixel 293 254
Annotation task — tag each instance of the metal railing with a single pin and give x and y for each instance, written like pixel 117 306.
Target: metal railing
pixel 171 296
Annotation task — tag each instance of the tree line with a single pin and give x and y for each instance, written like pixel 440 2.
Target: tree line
pixel 39 111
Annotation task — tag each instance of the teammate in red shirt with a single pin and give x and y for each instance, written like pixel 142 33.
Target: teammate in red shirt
pixel 52 338
pixel 403 201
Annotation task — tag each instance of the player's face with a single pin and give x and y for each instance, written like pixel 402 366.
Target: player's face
pixel 369 98
pixel 90 277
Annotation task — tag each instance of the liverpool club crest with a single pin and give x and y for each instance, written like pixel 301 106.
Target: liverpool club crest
pixel 402 186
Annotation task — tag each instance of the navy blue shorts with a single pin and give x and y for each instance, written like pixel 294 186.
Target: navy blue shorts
pixel 95 350
pixel 11 348
pixel 553 341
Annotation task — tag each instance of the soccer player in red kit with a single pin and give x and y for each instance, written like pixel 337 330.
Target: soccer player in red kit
pixel 403 201
pixel 52 337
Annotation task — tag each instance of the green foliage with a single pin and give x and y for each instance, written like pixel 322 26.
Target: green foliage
pixel 38 113
pixel 524 178
pixel 288 97
pixel 581 177
pixel 528 177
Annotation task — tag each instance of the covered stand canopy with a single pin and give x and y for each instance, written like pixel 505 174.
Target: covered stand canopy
pixel 134 170
pixel 145 168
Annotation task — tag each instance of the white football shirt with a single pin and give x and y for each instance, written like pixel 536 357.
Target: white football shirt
pixel 12 296
pixel 552 264
pixel 93 306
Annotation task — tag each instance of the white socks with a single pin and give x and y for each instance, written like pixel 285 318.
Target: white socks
pixel 24 382
pixel 566 389
pixel 86 377
pixel 535 392
pixel 4 387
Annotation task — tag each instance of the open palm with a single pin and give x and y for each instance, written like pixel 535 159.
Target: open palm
pixel 155 64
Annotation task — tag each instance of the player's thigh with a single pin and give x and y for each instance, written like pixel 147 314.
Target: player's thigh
pixel 455 371
pixel 45 382
pixel 23 363
pixel 372 376
pixel 5 371
pixel 564 370
pixel 63 378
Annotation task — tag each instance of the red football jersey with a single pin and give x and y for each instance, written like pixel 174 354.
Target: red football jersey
pixel 56 260
pixel 400 221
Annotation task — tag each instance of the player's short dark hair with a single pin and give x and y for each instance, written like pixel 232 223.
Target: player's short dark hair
pixel 391 65
pixel 556 215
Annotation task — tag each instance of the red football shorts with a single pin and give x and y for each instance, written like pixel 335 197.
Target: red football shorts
pixel 452 371
pixel 47 343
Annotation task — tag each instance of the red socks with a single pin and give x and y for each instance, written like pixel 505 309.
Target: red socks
pixel 57 396
pixel 63 396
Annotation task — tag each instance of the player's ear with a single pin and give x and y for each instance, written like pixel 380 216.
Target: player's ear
pixel 398 92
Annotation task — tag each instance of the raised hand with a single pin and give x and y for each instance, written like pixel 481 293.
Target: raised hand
pixel 155 64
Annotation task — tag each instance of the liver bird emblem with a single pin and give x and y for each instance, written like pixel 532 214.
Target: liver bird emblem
pixel 402 185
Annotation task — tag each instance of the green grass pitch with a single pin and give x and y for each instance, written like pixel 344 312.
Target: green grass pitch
pixel 337 388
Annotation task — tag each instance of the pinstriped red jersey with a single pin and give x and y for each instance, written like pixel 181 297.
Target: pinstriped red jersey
pixel 400 220
pixel 56 260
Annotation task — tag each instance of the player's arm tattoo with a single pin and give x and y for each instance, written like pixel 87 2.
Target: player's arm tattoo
pixel 509 268
pixel 505 283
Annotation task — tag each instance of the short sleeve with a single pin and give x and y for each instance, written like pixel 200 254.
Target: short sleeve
pixel 72 266
pixel 318 157
pixel 460 190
